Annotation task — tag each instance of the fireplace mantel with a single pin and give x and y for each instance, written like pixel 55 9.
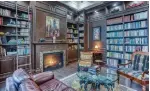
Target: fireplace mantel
pixel 53 51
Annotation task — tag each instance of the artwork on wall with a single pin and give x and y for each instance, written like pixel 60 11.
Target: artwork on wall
pixel 96 33
pixel 52 27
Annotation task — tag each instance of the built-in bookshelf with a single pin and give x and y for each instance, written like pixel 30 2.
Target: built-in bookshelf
pixel 15 41
pixel 81 36
pixel 72 38
pixel 126 34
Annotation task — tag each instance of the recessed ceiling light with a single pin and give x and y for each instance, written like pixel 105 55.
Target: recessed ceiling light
pixel 115 4
pixel 96 11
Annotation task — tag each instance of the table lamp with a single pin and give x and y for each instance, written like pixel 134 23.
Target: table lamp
pixel 97 45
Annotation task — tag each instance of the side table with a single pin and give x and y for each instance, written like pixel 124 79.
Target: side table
pixel 98 58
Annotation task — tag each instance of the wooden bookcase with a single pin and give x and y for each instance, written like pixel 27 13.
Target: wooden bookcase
pixel 125 34
pixel 15 41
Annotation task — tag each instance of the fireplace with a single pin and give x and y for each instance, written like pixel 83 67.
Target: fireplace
pixel 52 60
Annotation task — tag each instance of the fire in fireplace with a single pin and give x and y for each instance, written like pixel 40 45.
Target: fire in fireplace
pixel 52 61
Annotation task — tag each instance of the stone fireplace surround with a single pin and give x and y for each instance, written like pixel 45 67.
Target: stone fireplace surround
pixel 43 47
pixel 53 51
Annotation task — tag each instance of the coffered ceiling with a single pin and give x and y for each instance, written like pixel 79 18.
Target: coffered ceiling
pixel 80 5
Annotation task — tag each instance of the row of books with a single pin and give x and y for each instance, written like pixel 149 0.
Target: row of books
pixel 136 41
pixel 73 40
pixel 25 32
pixel 115 34
pixel 81 46
pixel 140 24
pixel 141 15
pixel 137 16
pixel 81 34
pixel 114 20
pixel 81 28
pixel 134 48
pixel 71 36
pixel 127 56
pixel 141 32
pixel 5 12
pixel 112 62
pixel 23 50
pixel 72 47
pixel 81 40
pixel 114 27
pixel 114 41
pixel 72 31
pixel 1 21
pixel 128 18
pixel 115 55
pixel 114 48
pixel 13 41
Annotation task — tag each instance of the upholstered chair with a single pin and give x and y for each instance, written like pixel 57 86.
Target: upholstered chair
pixel 85 61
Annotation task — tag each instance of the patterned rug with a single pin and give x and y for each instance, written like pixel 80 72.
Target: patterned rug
pixel 73 81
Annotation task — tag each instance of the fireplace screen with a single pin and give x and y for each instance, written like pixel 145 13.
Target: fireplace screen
pixel 52 61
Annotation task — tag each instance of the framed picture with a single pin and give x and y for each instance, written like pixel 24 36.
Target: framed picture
pixel 96 33
pixel 52 27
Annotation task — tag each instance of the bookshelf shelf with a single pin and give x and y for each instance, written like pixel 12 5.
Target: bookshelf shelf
pixel 135 20
pixel 115 24
pixel 115 30
pixel 133 33
pixel 17 35
pixel 114 37
pixel 11 17
pixel 12 26
pixel 136 28
pixel 114 51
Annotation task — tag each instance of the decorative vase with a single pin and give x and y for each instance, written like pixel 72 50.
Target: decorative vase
pixel 54 39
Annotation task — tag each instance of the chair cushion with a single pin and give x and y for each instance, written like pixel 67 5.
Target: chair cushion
pixel 133 73
pixel 85 63
pixel 86 55
pixel 43 77
pixel 28 85
pixel 11 85
pixel 140 62
pixel 53 85
pixel 20 75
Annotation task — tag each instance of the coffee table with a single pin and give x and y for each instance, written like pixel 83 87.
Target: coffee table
pixel 101 78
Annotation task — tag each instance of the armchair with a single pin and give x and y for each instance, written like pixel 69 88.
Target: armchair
pixel 139 69
pixel 85 61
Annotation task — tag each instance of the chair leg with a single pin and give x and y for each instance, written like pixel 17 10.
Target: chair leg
pixel 131 82
pixel 118 78
pixel 143 88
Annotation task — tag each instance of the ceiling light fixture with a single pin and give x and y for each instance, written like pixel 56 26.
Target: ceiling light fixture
pixel 115 4
pixel 96 11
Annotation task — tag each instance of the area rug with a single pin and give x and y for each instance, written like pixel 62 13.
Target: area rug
pixel 73 81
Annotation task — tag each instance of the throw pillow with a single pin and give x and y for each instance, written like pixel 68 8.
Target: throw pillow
pixel 20 75
pixel 11 85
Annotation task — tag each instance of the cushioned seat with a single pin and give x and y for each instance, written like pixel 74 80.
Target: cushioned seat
pixel 138 68
pixel 53 85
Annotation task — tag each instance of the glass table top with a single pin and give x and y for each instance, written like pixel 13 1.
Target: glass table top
pixel 105 75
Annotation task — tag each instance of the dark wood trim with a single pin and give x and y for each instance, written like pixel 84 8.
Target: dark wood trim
pixel 48 43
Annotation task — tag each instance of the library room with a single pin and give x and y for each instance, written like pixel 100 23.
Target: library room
pixel 74 45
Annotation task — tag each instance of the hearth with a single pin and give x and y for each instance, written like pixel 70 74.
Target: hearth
pixel 52 60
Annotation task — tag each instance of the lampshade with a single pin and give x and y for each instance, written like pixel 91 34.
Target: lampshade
pixel 97 45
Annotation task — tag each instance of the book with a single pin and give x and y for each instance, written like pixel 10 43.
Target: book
pixel 115 20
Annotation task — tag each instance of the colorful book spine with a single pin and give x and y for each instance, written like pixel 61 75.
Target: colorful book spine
pixel 115 34
pixel 141 32
pixel 115 27
pixel 114 41
pixel 114 48
pixel 115 20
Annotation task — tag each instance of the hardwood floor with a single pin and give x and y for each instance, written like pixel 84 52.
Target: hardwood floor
pixel 72 68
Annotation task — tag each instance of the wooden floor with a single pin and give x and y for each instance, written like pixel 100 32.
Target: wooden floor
pixel 72 68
